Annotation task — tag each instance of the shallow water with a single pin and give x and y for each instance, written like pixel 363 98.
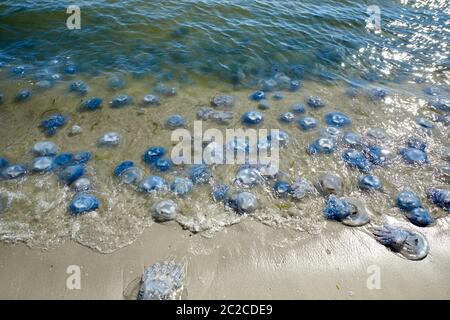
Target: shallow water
pixel 184 45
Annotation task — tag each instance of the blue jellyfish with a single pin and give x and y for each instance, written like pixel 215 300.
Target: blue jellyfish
pixel 83 203
pixel 414 156
pixel 307 123
pixel 315 102
pixel 252 118
pixel 369 182
pixel 92 104
pixel 258 95
pixel 356 159
pixel 200 173
pixel 153 153
pixel 337 119
pixel 220 192
pixel 153 183
pixel 53 124
pixel 408 200
pixel 322 145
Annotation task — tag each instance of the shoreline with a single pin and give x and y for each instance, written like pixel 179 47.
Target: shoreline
pixel 244 261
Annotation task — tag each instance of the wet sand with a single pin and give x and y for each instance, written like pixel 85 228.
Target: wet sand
pixel 244 261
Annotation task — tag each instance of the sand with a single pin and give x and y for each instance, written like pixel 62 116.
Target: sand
pixel 244 261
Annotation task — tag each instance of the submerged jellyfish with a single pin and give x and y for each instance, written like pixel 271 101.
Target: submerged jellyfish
pixel 71 69
pixel 223 100
pixel 175 121
pixel 131 176
pixel 281 136
pixel 356 159
pixel 410 244
pixel 13 171
pixel 264 104
pixel 162 281
pixel 336 208
pixel 121 167
pixel 432 91
pixel 378 94
pixel 45 148
pixel 298 108
pixel 425 123
pixel 414 156
pixel 420 217
pixel 440 104
pixel 376 133
pixel 204 113
pixel 243 202
pixel 115 83
pixel 181 186
pixel 307 123
pixel 63 159
pixel 249 176
pixel 302 188
pixel 121 101
pixel 252 118
pixel 153 153
pixel 153 183
pixel 162 164
pixel 352 139
pixel 287 117
pixel 258 96
pixel 222 117
pixel 53 124
pixel 3 162
pixel 370 182
pixel 200 173
pixel 42 164
pixel 92 104
pixel 79 86
pixel 151 100
pixel 83 203
pixel 408 200
pixel 416 144
pixel 220 192
pixel 278 96
pixel 440 197
pixel 165 91
pixel 329 184
pixel 23 95
pixel 71 173
pixel 2 97
pixel 377 155
pixel 165 210
pixel 111 139
pixel 337 119
pixel 315 102
pixel 323 145
pixel 282 188
pixel 268 85
pixel 81 184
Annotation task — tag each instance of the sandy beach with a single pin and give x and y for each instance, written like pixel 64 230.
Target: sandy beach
pixel 246 261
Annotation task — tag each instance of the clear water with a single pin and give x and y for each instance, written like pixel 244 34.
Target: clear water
pixel 203 48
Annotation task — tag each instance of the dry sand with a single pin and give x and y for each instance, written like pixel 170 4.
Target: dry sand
pixel 245 261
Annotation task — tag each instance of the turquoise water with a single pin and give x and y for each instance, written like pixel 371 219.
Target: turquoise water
pixel 233 41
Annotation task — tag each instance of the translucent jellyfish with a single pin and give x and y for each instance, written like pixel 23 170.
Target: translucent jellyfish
pixel 410 244
pixel 162 281
pixel 165 210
